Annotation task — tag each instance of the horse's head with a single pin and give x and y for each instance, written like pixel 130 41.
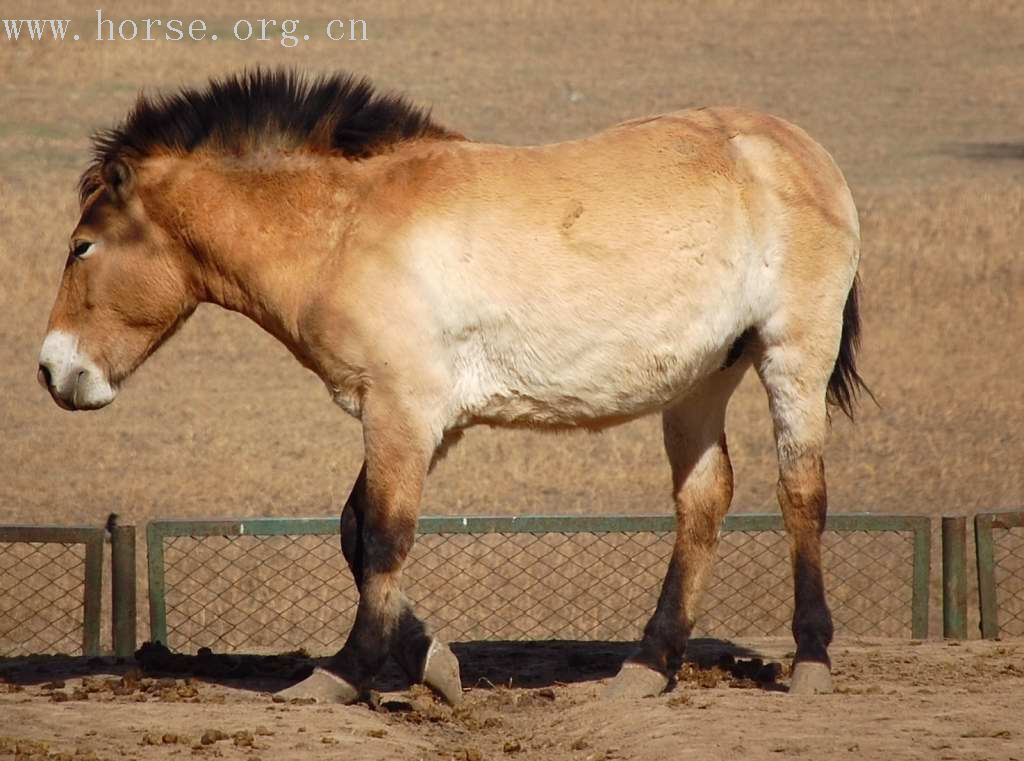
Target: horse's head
pixel 126 287
pixel 176 209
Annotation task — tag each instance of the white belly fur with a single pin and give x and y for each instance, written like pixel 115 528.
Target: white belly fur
pixel 597 378
pixel 528 346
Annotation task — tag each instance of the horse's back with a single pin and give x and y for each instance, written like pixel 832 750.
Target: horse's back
pixel 661 192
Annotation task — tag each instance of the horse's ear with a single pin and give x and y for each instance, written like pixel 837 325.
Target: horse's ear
pixel 119 177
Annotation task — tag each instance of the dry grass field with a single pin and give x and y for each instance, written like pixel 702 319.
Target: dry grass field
pixel 921 103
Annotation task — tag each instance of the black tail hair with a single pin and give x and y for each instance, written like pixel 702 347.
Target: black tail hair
pixel 845 383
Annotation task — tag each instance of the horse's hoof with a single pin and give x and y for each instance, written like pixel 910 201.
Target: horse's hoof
pixel 323 687
pixel 441 672
pixel 636 681
pixel 810 678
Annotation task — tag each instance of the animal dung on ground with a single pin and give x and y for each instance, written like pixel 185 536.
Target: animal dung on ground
pixel 732 671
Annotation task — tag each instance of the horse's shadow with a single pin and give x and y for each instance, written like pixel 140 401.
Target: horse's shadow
pixel 484 665
pixel 546 663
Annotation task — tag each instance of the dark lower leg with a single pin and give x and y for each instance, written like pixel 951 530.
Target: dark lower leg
pixel 373 631
pixel 412 640
pixel 386 624
pixel 666 634
pixel 378 530
pixel 803 499
pixel 703 494
pixel 812 621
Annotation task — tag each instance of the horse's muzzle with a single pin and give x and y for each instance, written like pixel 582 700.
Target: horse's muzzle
pixel 73 380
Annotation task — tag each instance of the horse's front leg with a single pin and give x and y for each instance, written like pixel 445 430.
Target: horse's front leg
pixel 422 656
pixel 378 529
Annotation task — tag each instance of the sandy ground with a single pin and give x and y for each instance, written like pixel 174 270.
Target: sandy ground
pixel 893 701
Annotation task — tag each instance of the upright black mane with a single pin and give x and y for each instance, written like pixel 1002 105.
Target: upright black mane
pixel 340 114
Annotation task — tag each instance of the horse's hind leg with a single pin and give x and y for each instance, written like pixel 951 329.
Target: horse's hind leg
pixel 694 433
pixel 796 376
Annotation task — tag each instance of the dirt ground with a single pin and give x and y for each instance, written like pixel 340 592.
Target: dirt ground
pixel 921 105
pixel 893 701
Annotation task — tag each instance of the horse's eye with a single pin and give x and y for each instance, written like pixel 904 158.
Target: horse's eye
pixel 81 248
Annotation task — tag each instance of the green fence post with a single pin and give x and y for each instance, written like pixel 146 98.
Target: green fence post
pixel 922 574
pixel 93 595
pixel 123 586
pixel 986 576
pixel 954 577
pixel 157 589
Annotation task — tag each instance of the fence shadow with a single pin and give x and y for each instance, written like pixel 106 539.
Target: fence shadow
pixel 484 665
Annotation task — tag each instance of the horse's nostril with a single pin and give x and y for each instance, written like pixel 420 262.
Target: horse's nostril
pixel 45 380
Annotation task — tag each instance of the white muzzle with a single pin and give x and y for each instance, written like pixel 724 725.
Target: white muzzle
pixel 73 380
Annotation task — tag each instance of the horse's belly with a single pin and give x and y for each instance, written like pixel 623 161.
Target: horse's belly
pixel 584 379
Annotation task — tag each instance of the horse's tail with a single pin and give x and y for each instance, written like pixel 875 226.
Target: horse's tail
pixel 845 384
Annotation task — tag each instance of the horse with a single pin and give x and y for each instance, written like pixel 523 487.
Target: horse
pixel 434 283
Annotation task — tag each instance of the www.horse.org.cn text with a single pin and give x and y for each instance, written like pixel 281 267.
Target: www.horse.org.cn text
pixel 288 33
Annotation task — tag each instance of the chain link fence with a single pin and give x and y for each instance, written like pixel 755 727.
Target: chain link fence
pixel 274 584
pixel 999 542
pixel 50 589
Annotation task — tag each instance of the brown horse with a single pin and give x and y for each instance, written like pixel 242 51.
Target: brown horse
pixel 435 283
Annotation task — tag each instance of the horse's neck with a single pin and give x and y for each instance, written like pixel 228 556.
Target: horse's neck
pixel 254 243
pixel 261 236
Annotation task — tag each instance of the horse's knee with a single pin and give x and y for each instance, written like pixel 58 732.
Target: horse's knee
pixel 803 496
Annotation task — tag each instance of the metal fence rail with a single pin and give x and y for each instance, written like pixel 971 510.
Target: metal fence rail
pixel 51 581
pixel 274 583
pixel 999 544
